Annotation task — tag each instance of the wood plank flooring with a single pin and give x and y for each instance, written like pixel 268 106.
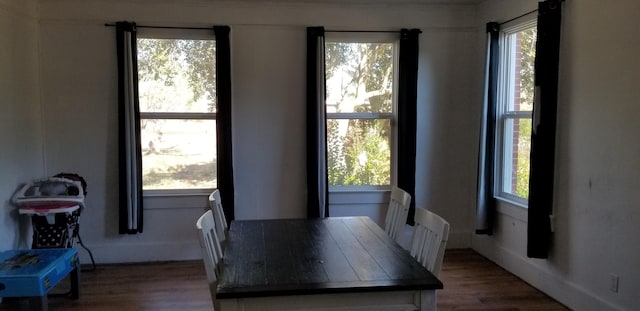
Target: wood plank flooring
pixel 471 282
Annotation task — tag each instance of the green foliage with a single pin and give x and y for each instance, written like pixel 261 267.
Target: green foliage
pixel 335 55
pixel 527 65
pixel 337 168
pixel 527 40
pixel 524 149
pixel 362 157
pixel 167 59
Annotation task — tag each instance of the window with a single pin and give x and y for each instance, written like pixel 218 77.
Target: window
pixel 361 107
pixel 514 109
pixel 176 81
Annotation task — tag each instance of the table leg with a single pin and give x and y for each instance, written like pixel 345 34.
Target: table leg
pixel 428 300
pixel 75 283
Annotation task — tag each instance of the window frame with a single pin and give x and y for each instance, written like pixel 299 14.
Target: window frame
pixel 371 37
pixel 177 34
pixel 505 94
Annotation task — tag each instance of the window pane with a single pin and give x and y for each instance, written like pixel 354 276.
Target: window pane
pixel 515 104
pixel 359 77
pixel 517 149
pixel 359 152
pixel 523 53
pixel 527 55
pixel 178 154
pixel 176 75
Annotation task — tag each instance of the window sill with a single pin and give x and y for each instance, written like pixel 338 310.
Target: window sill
pixel 512 209
pixel 359 189
pixel 176 193
pixel 358 196
pixel 176 199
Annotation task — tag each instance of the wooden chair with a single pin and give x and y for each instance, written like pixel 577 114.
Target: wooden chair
pixel 429 239
pixel 397 212
pixel 211 250
pixel 215 204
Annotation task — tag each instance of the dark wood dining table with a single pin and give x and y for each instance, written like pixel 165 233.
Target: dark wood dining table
pixel 334 263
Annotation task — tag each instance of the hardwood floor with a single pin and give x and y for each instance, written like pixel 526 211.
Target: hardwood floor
pixel 471 282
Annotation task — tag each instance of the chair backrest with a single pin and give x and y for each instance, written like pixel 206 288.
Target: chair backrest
pixel 211 250
pixel 215 204
pixel 397 212
pixel 429 239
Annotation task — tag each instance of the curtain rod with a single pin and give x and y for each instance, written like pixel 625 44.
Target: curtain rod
pixel 209 28
pixel 373 31
pixel 165 27
pixel 523 15
pixel 370 31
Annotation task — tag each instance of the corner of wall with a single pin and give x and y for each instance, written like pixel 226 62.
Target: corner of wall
pixel 20 132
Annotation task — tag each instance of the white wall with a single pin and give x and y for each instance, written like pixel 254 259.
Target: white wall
pixel 448 117
pixel 597 167
pixel 20 129
pixel 597 157
pixel 268 43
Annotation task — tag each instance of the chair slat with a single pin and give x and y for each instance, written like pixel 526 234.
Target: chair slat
pixel 215 204
pixel 429 239
pixel 397 213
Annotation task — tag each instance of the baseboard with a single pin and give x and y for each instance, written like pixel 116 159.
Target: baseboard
pixel 459 240
pixel 570 294
pixel 175 251
pixel 146 252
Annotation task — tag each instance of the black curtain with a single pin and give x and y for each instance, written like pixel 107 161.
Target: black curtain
pixel 543 134
pixel 317 179
pixel 407 110
pixel 129 150
pixel 223 120
pixel 486 203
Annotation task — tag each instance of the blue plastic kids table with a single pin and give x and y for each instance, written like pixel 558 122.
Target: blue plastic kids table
pixel 32 273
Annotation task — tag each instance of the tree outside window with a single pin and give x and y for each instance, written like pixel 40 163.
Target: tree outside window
pixel 177 113
pixel 360 112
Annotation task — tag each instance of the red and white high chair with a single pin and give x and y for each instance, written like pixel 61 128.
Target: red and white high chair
pixel 54 204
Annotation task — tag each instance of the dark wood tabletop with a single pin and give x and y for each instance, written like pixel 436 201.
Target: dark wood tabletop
pixel 316 256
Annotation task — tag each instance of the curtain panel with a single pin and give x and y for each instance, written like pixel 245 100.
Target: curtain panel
pixel 223 121
pixel 129 150
pixel 485 202
pixel 407 111
pixel 317 179
pixel 542 165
